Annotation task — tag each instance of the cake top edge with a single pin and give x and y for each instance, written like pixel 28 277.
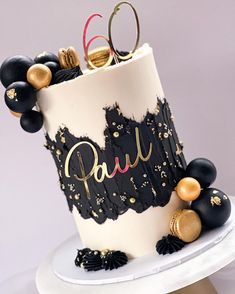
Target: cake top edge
pixel 141 52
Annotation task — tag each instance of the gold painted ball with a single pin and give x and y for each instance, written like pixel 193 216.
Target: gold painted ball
pixel 188 189
pixel 39 76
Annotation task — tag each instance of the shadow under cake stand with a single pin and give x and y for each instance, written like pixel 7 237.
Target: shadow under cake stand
pixel 150 274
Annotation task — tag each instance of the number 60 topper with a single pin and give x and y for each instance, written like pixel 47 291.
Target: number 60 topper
pixel 112 51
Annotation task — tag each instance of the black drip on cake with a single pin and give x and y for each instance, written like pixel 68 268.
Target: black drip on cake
pixel 157 164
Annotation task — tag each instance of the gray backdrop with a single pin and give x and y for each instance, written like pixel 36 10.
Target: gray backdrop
pixel 194 44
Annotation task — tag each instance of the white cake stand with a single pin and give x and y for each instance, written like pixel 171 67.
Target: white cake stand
pixel 196 263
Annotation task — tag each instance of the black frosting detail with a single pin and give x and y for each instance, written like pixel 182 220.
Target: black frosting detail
pixel 80 255
pixel 114 259
pixel 169 244
pixel 63 75
pixel 94 260
pixel 150 183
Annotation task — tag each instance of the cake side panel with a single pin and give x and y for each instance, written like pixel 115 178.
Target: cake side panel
pixel 78 104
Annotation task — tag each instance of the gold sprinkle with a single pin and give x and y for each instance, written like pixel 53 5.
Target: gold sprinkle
pixel 100 210
pixel 178 149
pixel 114 194
pixel 94 214
pixel 116 134
pixel 77 197
pixel 215 201
pixel 166 135
pixel 104 252
pixel 58 152
pixel 163 184
pixel 132 200
pixel 11 93
pixel 62 139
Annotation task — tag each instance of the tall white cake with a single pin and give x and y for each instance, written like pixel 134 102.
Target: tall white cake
pixel 78 105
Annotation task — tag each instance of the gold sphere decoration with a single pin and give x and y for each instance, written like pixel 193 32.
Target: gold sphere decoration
pixel 188 189
pixel 16 114
pixel 39 76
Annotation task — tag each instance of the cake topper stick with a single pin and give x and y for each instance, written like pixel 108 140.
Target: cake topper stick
pixel 86 45
pixel 115 12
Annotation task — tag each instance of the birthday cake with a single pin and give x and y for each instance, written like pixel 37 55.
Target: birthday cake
pixel 120 162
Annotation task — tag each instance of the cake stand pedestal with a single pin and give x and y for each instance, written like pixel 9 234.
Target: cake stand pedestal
pixel 191 271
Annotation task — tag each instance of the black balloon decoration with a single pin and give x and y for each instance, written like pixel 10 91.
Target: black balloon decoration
pixel 31 121
pixel 169 244
pixel 213 206
pixel 67 74
pixel 114 259
pixel 14 69
pixel 54 67
pixel 203 170
pixel 46 57
pixel 20 97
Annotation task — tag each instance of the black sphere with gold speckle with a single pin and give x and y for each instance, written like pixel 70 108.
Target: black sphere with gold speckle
pixel 213 206
pixel 20 97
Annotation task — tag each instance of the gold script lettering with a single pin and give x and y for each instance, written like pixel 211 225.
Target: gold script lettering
pixel 103 167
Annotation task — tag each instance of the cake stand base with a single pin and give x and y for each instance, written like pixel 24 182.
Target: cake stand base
pixel 200 264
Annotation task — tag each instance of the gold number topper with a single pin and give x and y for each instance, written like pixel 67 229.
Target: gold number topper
pixel 112 51
pixel 115 12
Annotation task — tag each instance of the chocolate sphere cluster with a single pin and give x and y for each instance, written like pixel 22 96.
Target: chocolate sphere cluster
pixel 208 207
pixel 212 205
pixel 23 77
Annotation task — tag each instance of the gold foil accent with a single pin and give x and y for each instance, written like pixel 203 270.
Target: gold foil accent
pixel 11 94
pixel 178 149
pixel 215 200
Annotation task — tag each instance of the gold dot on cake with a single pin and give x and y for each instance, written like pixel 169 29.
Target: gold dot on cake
pixel 166 135
pixel 116 134
pixel 132 200
pixel 58 152
pixel 39 76
pixel 77 197
pixel 62 139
